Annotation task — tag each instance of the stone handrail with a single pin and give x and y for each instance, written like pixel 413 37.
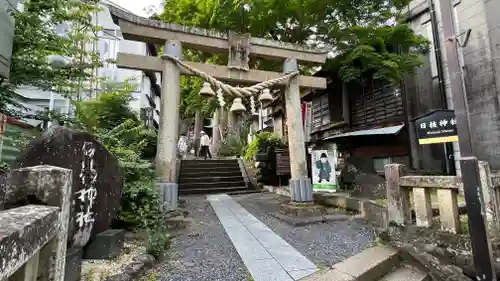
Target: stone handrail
pixel 32 234
pixel 447 182
pixel 447 191
pixel 25 230
pixel 399 187
pixel 495 180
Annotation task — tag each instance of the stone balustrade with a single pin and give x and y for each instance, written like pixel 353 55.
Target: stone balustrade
pixel 33 236
pixel 401 187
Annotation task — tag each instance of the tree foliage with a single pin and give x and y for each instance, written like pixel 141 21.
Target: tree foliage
pixel 191 100
pixel 111 120
pixel 358 31
pixel 386 52
pixel 60 29
pixel 109 110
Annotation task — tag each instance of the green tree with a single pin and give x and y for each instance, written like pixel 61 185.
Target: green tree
pixel 191 101
pixel 357 30
pixel 37 41
pixel 111 120
pixel 109 110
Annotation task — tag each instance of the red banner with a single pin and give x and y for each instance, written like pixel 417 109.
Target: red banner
pixel 303 105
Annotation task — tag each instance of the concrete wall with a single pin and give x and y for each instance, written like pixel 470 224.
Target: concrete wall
pixel 6 35
pixel 481 64
pixel 481 58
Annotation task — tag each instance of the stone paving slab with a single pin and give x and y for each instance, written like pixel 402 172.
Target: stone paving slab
pixel 266 255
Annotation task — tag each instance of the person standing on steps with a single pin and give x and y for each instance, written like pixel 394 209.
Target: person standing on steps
pixel 182 146
pixel 205 145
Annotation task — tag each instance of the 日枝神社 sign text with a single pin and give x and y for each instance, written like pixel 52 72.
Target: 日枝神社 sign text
pixel 438 126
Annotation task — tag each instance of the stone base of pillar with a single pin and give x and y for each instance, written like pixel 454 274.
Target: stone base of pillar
pixel 301 190
pixel 302 209
pixel 168 193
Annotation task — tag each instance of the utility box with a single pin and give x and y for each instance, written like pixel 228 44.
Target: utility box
pixel 6 35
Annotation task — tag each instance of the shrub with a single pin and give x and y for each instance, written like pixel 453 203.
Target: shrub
pixel 261 143
pixel 158 242
pixel 232 146
pixel 139 205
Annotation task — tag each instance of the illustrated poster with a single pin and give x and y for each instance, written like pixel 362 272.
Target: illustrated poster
pixel 324 177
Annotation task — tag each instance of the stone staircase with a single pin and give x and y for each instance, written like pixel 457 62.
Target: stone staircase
pixel 212 176
pixel 377 263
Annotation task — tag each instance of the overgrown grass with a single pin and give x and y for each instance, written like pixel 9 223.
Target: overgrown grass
pixel 150 276
pixel 464 224
pixel 321 266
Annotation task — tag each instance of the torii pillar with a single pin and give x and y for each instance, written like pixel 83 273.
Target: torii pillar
pixel 300 184
pixel 168 133
pixel 236 72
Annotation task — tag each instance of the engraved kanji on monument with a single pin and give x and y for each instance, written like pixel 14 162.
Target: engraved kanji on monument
pixel 97 178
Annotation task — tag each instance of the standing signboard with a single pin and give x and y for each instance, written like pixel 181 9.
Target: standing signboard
pixel 324 177
pixel 438 126
pixel 282 162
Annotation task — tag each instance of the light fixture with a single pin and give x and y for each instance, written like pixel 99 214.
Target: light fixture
pixel 237 106
pixel 206 91
pixel 265 97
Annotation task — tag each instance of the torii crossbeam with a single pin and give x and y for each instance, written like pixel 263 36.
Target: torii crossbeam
pixel 240 48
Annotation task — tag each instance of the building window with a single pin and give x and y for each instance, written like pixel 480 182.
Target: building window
pixel 320 113
pixel 62 29
pixel 379 163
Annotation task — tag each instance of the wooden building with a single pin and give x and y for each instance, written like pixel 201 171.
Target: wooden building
pixel 365 120
pixel 370 122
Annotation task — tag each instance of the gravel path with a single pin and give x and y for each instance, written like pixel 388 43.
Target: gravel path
pixel 324 243
pixel 203 252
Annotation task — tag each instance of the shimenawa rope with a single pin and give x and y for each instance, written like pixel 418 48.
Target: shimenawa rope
pixel 228 89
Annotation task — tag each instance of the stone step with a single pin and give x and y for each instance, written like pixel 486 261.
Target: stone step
pixel 209 173
pixel 209 178
pixel 206 169
pixel 211 160
pixel 208 162
pixel 406 274
pixel 211 185
pixel 227 189
pixel 369 265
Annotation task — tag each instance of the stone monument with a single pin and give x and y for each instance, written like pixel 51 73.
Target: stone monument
pixel 97 178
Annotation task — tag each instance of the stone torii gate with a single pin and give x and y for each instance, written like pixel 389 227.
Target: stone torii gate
pixel 240 48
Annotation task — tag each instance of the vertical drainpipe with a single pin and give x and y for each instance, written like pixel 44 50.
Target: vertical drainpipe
pixel 410 129
pixel 449 163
